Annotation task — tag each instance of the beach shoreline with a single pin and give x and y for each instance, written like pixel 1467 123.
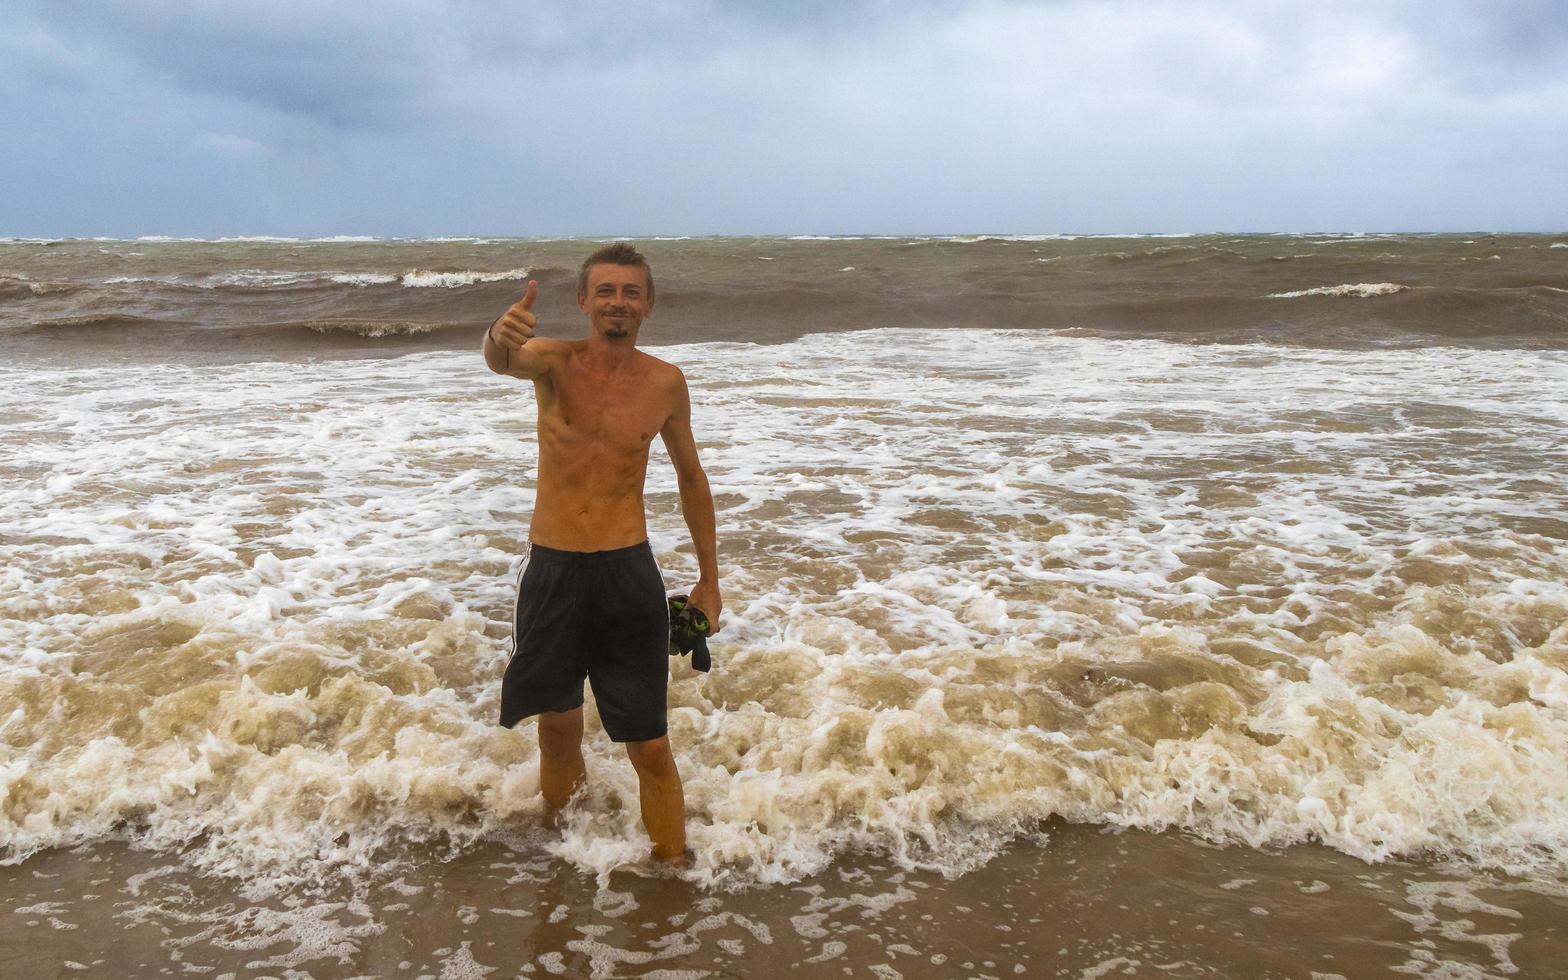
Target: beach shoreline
pixel 1071 901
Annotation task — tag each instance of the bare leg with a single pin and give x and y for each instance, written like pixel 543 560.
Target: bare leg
pixel 561 769
pixel 663 803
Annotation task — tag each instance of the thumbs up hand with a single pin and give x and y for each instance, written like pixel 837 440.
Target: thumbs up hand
pixel 517 324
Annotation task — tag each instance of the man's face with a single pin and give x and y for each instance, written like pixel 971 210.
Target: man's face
pixel 616 300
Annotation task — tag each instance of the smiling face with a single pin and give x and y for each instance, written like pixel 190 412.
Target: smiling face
pixel 616 298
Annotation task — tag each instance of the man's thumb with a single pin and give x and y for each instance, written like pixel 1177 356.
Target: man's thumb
pixel 531 294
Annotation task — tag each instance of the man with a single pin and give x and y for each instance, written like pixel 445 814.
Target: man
pixel 591 601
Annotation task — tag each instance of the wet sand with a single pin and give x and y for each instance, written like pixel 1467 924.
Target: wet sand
pixel 1072 901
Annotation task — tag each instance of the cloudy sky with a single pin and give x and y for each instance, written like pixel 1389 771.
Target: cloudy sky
pixel 452 117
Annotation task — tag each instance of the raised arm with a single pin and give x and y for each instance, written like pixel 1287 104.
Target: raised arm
pixel 509 345
pixel 696 501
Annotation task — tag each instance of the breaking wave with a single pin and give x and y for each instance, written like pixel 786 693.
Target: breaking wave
pixel 1259 595
pixel 1364 290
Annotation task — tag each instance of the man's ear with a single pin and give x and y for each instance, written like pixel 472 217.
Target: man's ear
pixel 582 300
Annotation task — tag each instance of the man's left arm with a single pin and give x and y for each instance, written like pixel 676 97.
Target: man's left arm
pixel 696 501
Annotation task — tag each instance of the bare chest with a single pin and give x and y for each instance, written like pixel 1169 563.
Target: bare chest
pixel 614 414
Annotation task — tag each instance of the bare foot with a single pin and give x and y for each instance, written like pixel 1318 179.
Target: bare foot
pixel 678 862
pixel 559 818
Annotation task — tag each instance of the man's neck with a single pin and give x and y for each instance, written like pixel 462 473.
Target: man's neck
pixel 611 353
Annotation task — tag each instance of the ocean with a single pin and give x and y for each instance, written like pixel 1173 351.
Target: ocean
pixel 1157 606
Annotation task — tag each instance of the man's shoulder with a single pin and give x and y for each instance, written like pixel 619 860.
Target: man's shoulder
pixel 662 370
pixel 550 347
pixel 554 353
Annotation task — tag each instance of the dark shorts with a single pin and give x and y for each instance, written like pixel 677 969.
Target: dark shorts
pixel 599 615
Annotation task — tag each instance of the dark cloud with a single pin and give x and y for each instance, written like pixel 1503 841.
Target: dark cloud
pixel 356 65
pixel 438 116
pixel 345 65
pixel 1485 48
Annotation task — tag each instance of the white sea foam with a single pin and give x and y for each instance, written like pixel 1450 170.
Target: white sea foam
pixel 1260 595
pixel 1364 290
pixel 1060 237
pixel 362 278
pixel 34 286
pixel 266 278
pixel 1353 238
pixel 450 280
pixel 259 239
pixel 971 239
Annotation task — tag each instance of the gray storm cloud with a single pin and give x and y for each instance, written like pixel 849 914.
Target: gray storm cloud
pixel 423 117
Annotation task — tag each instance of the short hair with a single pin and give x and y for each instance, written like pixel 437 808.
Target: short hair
pixel 620 253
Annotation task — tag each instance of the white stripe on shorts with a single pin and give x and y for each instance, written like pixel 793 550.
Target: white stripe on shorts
pixel 517 598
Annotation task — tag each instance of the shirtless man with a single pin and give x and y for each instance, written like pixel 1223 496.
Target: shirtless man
pixel 591 601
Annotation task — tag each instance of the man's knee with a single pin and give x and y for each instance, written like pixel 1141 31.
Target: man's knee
pixel 652 758
pixel 561 730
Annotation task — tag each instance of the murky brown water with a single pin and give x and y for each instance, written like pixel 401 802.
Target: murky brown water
pixel 1307 603
pixel 156 300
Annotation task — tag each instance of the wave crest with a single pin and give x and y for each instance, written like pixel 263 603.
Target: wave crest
pixel 1363 290
pixel 272 279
